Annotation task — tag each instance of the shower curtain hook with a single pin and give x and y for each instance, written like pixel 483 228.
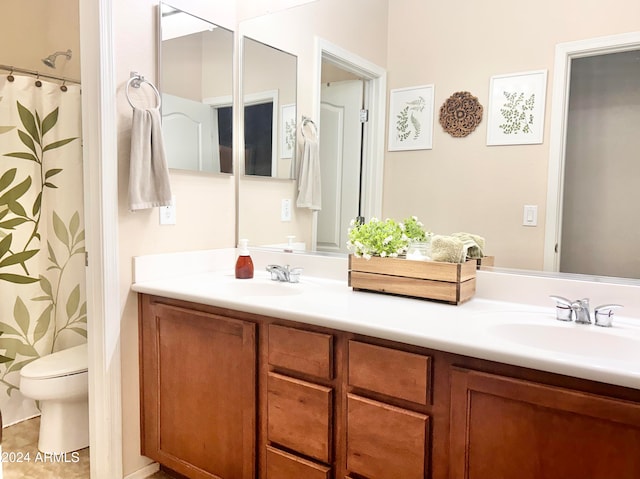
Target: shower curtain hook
pixel 38 82
pixel 63 87
pixel 10 76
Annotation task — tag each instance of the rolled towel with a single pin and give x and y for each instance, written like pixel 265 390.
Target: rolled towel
pixel 474 243
pixel 448 249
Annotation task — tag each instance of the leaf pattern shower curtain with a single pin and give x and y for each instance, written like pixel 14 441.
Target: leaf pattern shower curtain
pixel 42 256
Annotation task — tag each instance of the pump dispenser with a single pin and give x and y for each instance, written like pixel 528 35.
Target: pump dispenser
pixel 244 264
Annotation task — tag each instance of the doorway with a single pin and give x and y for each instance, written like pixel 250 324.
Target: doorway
pixel 593 159
pixel 340 159
pixel 353 158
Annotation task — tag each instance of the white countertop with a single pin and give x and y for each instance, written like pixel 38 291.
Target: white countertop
pixel 514 333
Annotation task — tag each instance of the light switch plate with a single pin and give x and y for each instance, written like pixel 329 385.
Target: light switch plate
pixel 530 215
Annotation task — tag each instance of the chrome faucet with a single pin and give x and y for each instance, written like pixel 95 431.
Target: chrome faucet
pixel 581 309
pixel 567 310
pixel 284 274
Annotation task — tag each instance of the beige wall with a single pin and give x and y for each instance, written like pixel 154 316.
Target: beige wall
pixel 205 203
pixel 461 184
pixel 33 29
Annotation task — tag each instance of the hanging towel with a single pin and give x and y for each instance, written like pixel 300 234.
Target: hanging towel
pixel 309 193
pixel 148 172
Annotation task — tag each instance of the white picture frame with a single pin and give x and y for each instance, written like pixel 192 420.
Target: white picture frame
pixel 516 108
pixel 287 130
pixel 411 118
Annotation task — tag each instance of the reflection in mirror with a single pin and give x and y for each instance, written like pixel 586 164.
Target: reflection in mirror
pixel 196 80
pixel 269 94
pixel 464 184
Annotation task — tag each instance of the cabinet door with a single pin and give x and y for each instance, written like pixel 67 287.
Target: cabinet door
pixel 198 380
pixel 385 441
pixel 508 428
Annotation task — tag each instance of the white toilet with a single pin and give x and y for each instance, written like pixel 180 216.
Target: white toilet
pixel 60 382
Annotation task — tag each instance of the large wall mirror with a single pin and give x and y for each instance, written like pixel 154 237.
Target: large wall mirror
pixel 460 184
pixel 269 90
pixel 196 81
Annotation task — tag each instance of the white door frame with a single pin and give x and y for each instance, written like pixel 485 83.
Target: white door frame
pixel 100 153
pixel 375 96
pixel 565 52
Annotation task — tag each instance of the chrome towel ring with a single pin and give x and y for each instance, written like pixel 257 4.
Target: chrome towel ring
pixel 136 81
pixel 308 121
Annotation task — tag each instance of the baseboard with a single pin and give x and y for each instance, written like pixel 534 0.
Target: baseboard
pixel 144 472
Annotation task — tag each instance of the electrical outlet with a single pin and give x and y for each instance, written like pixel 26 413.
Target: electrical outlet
pixel 168 213
pixel 285 210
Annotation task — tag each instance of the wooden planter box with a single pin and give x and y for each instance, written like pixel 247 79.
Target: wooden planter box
pixel 486 261
pixel 452 283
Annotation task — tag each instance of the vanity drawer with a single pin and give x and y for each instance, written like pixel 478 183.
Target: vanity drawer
pixel 299 416
pixel 385 441
pixel 283 465
pixel 389 371
pixel 302 351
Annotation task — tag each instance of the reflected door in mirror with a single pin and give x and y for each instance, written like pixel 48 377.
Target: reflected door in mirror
pixel 196 72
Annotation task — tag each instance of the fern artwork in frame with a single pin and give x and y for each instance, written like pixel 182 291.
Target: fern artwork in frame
pixel 516 108
pixel 411 118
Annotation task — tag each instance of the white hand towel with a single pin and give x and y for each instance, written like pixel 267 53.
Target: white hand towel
pixel 148 172
pixel 309 193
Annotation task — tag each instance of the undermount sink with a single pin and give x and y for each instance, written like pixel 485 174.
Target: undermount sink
pixel 259 287
pixel 570 338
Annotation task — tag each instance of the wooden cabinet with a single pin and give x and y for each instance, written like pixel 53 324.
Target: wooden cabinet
pixel 198 396
pixel 395 373
pixel 299 416
pixel 509 428
pixel 284 465
pixel 301 351
pixel 232 395
pixel 300 412
pixel 385 439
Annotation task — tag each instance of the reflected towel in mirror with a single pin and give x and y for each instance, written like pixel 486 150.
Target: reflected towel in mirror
pixel 148 172
pixel 309 193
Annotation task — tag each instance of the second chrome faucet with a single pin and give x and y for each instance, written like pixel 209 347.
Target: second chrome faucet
pixel 578 310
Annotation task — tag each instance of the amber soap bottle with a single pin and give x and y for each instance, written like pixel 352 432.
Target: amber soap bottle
pixel 244 264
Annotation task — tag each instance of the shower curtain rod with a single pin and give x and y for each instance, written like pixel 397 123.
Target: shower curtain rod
pixel 37 74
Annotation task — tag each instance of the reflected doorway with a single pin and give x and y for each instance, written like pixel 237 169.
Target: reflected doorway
pixel 341 157
pixel 596 104
pixel 351 151
pixel 600 218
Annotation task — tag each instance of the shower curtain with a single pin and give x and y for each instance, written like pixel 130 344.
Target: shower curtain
pixel 42 256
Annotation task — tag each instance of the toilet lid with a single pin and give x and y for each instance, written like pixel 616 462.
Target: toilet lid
pixel 61 363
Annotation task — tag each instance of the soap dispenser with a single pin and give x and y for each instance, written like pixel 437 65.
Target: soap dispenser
pixel 244 264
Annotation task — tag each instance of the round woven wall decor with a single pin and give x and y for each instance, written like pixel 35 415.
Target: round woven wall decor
pixel 460 114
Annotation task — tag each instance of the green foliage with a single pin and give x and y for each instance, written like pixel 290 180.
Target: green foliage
pixel 59 313
pixel 414 229
pixel 384 238
pixel 407 123
pixel 517 113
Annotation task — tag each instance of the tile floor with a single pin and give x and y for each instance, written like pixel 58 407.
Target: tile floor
pixel 21 459
pixel 160 475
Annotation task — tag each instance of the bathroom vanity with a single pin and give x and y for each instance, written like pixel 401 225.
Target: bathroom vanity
pixel 322 382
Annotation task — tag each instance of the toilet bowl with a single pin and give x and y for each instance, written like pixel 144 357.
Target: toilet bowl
pixel 59 381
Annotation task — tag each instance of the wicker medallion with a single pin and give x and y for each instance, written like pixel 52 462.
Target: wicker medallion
pixel 460 114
